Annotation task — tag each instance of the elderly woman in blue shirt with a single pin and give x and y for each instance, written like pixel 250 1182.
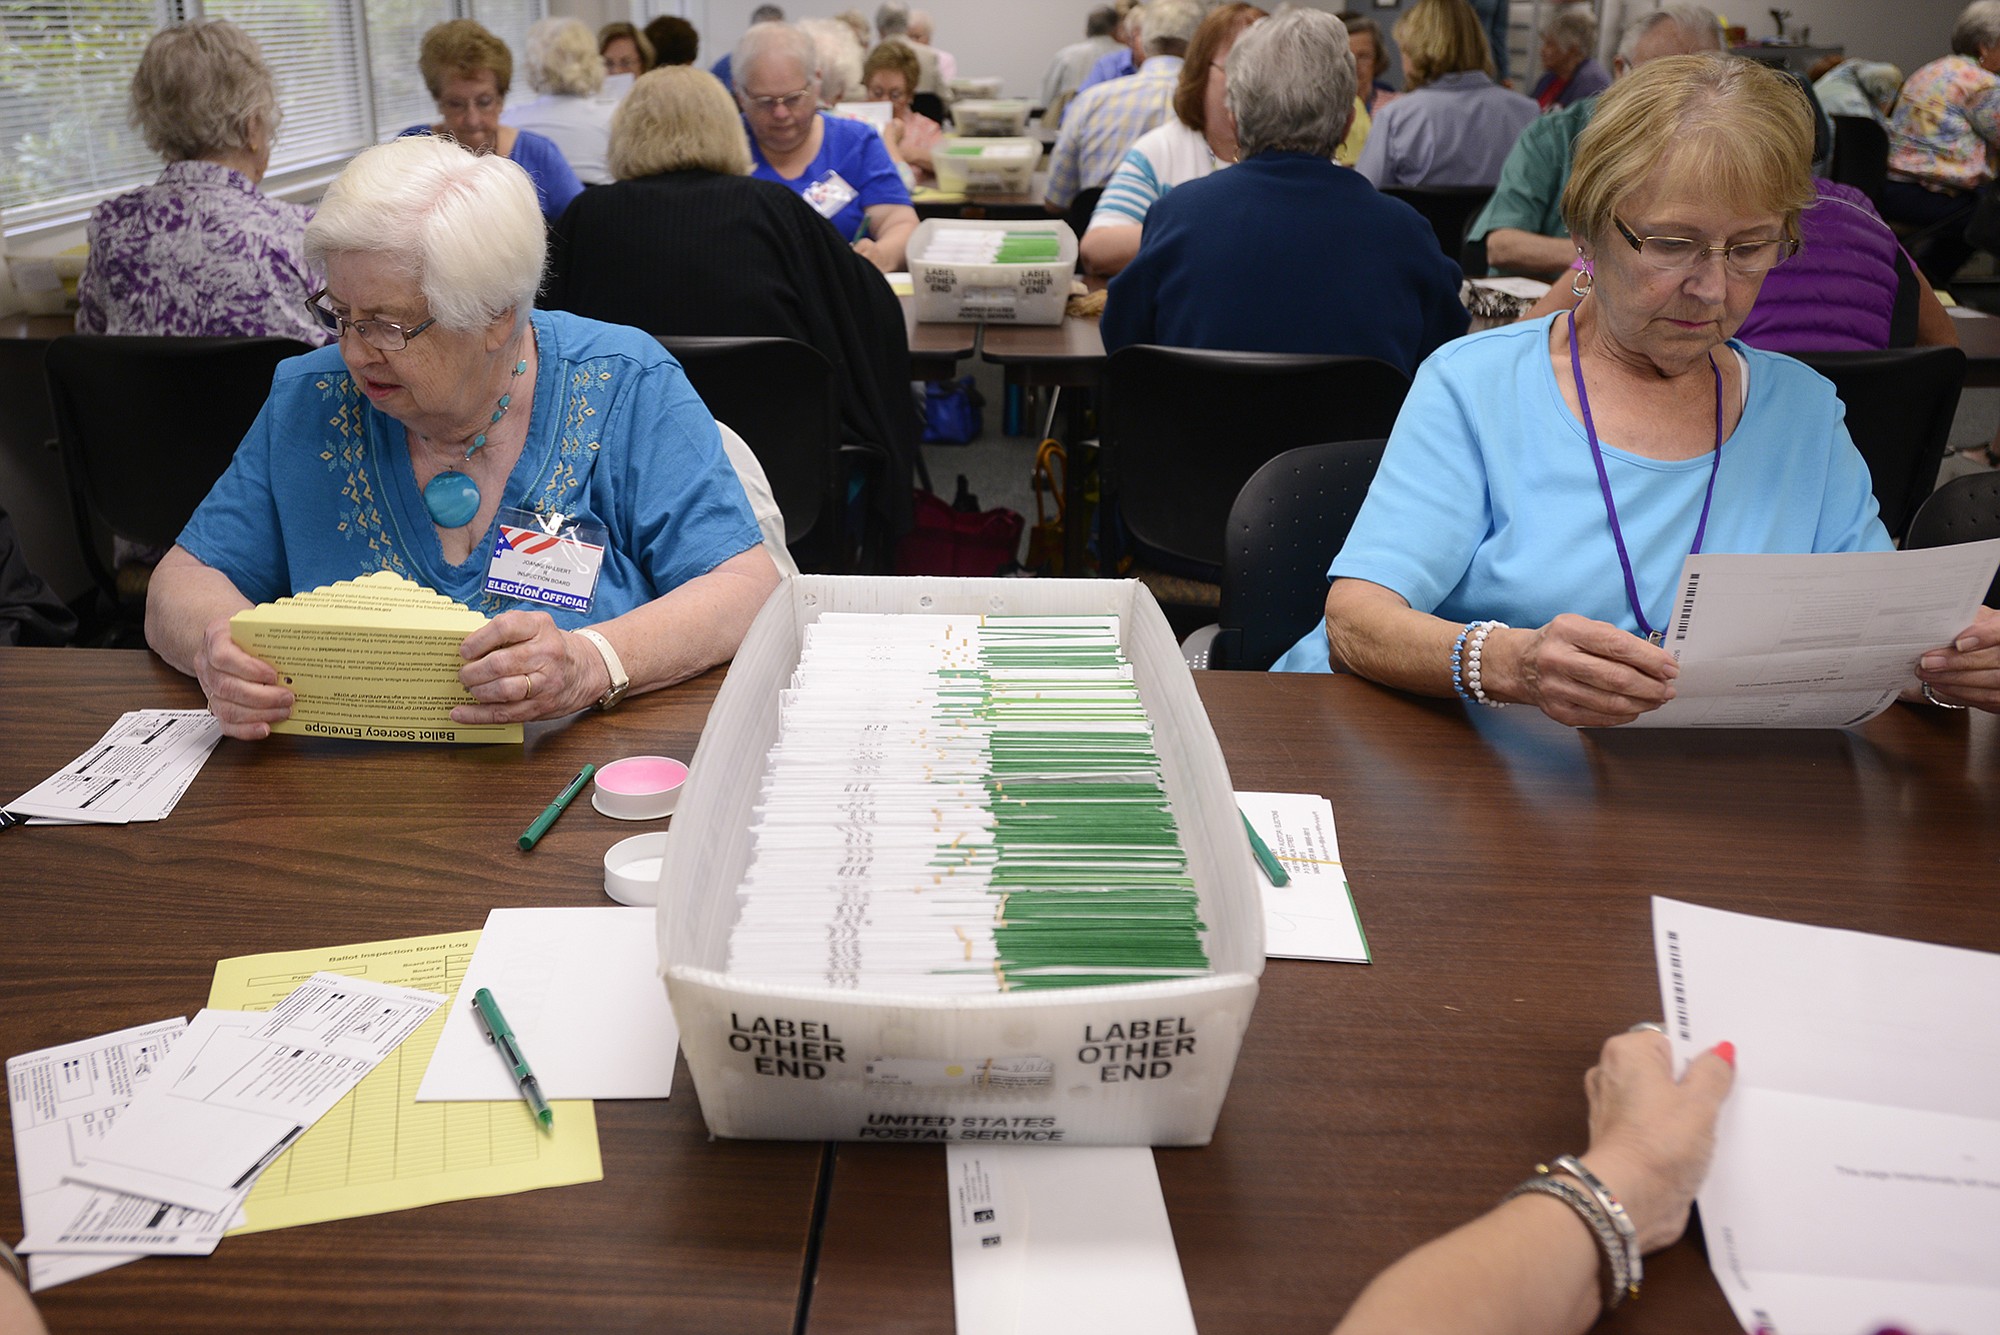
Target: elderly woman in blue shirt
pixel 447 401
pixel 1545 479
pixel 838 166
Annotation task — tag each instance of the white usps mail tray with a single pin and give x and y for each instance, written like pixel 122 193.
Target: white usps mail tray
pixel 1125 1064
pixel 949 292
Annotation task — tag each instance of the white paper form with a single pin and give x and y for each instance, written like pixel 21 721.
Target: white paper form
pixel 1065 1240
pixel 1856 1183
pixel 1820 641
pixel 1313 918
pixel 62 1099
pixel 137 771
pixel 581 988
pixel 230 1095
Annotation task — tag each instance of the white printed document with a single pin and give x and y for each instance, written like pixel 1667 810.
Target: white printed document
pixel 581 989
pixel 1062 1240
pixel 1818 641
pixel 135 772
pixel 1313 918
pixel 1856 1183
pixel 238 1087
pixel 61 1100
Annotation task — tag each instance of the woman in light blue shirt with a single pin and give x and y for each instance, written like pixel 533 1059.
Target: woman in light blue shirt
pixel 1524 537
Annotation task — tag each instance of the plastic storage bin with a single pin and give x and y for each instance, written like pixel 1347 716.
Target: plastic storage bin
pixel 986 117
pixel 973 166
pixel 947 293
pixel 1133 1064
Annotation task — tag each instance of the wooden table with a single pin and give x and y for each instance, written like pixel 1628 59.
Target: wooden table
pixel 1502 866
pixel 1979 338
pixel 936 349
pixel 298 843
pixel 1067 356
pixel 993 204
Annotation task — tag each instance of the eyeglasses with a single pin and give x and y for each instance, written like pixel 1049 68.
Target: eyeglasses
pixel 1675 253
pixel 791 102
pixel 386 335
pixel 458 106
pixel 878 95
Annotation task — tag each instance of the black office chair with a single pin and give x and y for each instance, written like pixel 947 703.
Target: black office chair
pixel 1183 429
pixel 779 395
pixel 1449 209
pixel 1077 215
pixel 1284 529
pixel 1899 409
pixel 1860 155
pixel 146 426
pixel 1965 509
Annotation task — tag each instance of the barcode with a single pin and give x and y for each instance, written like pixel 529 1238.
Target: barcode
pixel 1687 608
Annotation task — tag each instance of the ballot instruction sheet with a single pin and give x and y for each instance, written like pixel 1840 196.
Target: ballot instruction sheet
pixel 1856 1182
pixel 61 1100
pixel 1826 640
pixel 231 1095
pixel 136 771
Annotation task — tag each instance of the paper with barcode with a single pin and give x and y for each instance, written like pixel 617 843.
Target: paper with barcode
pixel 1826 640
pixel 1062 1240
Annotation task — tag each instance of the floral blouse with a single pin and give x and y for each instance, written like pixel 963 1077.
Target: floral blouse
pixel 199 252
pixel 1946 125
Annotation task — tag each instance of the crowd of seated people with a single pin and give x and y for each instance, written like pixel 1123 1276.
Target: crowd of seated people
pixel 488 287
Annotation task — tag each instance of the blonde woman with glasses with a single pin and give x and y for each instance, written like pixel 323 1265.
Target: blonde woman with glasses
pixel 1524 537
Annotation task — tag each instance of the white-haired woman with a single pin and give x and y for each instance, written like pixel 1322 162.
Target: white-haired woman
pixel 564 67
pixel 1336 267
pixel 448 398
pixel 1570 72
pixel 840 167
pixel 201 251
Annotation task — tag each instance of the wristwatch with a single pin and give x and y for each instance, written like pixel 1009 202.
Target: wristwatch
pixel 620 683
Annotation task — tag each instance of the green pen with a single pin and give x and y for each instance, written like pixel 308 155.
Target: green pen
pixel 1265 857
pixel 498 1030
pixel 533 834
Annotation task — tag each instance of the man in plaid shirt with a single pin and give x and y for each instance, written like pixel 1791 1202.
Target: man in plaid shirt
pixel 1104 120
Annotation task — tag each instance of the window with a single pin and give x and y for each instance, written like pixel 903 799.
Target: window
pixel 346 72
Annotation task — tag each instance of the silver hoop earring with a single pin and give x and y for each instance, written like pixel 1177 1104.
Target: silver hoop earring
pixel 1581 281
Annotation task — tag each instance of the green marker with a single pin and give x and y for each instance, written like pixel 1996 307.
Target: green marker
pixel 1268 860
pixel 533 834
pixel 497 1029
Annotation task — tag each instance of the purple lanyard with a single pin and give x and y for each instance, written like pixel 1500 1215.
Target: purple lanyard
pixel 1604 481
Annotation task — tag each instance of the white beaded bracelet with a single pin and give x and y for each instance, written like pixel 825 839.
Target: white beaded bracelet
pixel 1474 647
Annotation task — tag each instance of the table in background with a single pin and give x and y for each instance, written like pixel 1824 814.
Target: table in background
pixel 936 349
pixel 1979 339
pixel 1502 867
pixel 993 204
pixel 1063 357
pixel 300 842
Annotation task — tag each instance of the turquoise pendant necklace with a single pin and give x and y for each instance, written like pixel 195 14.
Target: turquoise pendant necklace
pixel 453 498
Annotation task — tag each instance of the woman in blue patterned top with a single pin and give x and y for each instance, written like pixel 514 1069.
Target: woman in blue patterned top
pixel 446 399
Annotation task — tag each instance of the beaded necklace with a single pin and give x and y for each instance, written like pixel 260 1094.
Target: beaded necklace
pixel 452 497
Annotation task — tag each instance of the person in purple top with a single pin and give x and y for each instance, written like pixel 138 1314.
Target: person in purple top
pixel 201 252
pixel 467 70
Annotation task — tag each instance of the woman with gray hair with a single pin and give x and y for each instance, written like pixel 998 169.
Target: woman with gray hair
pixel 200 251
pixel 564 67
pixel 449 408
pixel 1944 141
pixel 1569 71
pixel 839 167
pixel 688 242
pixel 1287 251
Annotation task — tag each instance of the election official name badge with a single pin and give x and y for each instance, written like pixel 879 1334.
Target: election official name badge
pixel 549 560
pixel 829 195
